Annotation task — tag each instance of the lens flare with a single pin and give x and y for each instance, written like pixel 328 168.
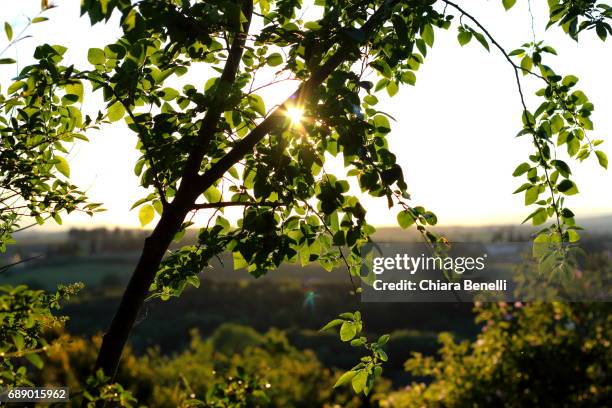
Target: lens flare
pixel 295 114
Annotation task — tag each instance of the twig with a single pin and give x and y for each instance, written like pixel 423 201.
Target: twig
pixel 223 204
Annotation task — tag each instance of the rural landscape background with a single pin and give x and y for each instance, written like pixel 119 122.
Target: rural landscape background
pixel 149 147
pixel 269 325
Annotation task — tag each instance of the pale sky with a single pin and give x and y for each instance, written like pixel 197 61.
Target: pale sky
pixel 454 135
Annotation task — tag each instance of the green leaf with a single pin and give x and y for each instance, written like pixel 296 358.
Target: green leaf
pixel 531 196
pixel 567 187
pixel 332 324
pixel 239 261
pixel 116 111
pixel 35 360
pixel 62 166
pixel 140 201
pixel 567 213
pixel 358 342
pixel 312 25
pixel 348 330
pixel 428 35
pixel 522 188
pixel 570 81
pixel 464 37
pixel 381 122
pixel 39 20
pixel 359 381
pixel 602 158
pixel 383 339
pixel 556 123
pixel 345 378
pixel 19 341
pixel 8 30
pixel 539 217
pixel 138 169
pixel 381 84
pixel 15 86
pixel 146 214
pixel 482 40
pixel 392 88
pixel 75 88
pixel 169 94
pixel 96 56
pixel 573 236
pixel 7 61
pixel 194 281
pixel 158 206
pixel 521 169
pixel 562 167
pixel 526 64
pixel 274 59
pixel 601 31
pixel 212 194
pixel 257 103
pixel 540 246
pixel 408 77
pixel 508 4
pixel 370 99
pixel 405 219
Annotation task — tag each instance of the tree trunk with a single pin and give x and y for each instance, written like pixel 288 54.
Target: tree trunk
pixel 155 247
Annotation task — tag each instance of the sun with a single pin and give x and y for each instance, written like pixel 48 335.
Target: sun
pixel 295 114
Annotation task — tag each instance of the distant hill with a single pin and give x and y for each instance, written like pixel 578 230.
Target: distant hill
pixel 594 225
pixel 600 224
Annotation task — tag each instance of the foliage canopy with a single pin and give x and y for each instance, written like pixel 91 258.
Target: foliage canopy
pixel 183 77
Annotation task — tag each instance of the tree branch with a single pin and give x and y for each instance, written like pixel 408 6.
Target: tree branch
pixel 223 204
pixel 277 117
pixel 210 122
pixel 518 69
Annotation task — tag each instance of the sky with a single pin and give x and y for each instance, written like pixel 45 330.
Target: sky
pixel 454 134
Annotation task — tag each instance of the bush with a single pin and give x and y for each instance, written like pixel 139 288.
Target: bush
pixel 234 362
pixel 540 354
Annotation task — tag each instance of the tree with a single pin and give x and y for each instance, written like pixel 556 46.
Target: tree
pixel 219 147
pixel 537 353
pixel 542 354
pixel 193 142
pixel 35 129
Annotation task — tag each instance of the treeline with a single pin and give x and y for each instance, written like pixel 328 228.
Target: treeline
pixel 265 305
pixel 540 354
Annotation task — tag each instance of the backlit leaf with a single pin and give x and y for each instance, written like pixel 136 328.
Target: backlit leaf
pixel 602 158
pixel 116 111
pixel 146 214
pixel 96 56
pixel 348 330
pixel 62 166
pixel 8 30
pixel 508 4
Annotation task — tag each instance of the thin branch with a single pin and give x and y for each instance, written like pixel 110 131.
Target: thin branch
pixel 518 69
pixel 223 204
pixel 210 122
pixel 274 82
pixel 158 185
pixel 4 268
pixel 331 234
